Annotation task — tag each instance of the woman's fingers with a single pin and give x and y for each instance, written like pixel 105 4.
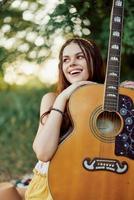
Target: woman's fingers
pixel 68 91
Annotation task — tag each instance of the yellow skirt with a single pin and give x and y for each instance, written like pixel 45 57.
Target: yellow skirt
pixel 38 188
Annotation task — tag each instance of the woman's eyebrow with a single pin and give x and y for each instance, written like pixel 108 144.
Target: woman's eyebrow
pixel 74 54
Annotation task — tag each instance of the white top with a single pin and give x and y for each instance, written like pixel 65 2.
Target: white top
pixel 42 167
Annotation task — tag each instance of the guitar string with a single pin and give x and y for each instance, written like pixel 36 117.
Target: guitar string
pixel 110 117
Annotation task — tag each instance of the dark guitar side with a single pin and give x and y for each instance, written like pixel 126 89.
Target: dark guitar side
pixel 67 177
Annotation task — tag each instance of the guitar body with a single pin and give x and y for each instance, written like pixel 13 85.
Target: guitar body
pixel 92 164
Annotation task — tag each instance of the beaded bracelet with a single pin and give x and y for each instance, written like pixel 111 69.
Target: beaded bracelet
pixel 62 113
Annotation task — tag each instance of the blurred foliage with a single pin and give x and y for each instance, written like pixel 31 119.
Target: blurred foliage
pixel 88 19
pixel 98 14
pixel 95 17
pixel 16 27
pixel 19 119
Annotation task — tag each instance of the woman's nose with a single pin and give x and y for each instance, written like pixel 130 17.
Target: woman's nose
pixel 72 61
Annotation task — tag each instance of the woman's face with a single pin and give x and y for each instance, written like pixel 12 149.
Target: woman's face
pixel 74 63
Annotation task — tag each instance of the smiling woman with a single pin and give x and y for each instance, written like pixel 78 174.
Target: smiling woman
pixel 80 64
pixel 74 65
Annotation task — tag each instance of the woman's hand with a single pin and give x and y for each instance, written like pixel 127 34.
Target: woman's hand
pixel 127 84
pixel 69 90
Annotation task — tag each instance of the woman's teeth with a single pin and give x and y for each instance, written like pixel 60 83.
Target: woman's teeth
pixel 77 71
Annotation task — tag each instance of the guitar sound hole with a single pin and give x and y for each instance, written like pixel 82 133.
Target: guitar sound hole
pixel 109 123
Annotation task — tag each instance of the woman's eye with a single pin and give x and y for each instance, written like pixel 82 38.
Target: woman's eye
pixel 80 57
pixel 65 60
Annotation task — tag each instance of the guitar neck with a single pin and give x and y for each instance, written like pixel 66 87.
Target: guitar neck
pixel 114 57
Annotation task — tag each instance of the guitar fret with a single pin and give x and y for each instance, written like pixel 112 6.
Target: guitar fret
pixel 118 14
pixel 111 108
pixel 117 19
pixel 114 52
pixel 111 85
pixel 112 78
pixel 115 43
pixel 113 67
pixel 116 26
pixel 108 90
pixel 115 46
pixel 113 75
pixel 118 3
pixel 116 33
pixel 113 71
pixel 110 103
pixel 111 96
pixel 116 40
pixel 116 63
pixel 113 82
pixel 111 89
pixel 112 92
pixel 114 58
pixel 117 11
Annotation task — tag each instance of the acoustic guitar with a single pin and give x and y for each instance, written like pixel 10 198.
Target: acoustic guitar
pixel 96 160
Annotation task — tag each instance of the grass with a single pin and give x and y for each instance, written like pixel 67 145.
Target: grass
pixel 19 116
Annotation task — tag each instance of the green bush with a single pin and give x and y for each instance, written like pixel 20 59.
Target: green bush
pixel 19 117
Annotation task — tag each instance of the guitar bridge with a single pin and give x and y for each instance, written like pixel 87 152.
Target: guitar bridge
pixel 105 164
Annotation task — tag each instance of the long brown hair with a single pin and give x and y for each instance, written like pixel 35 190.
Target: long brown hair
pixel 95 68
pixel 93 58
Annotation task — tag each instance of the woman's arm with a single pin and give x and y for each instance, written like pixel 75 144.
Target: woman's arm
pixel 47 137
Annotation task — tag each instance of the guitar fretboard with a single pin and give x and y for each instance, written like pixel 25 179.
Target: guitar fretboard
pixel 114 57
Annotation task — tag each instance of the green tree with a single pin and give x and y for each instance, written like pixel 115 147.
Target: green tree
pixel 20 31
pixel 88 19
pixel 91 19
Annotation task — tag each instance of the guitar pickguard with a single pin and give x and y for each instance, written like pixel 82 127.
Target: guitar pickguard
pixel 124 142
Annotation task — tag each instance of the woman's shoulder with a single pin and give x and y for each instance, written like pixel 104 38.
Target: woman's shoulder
pixel 49 95
pixel 48 99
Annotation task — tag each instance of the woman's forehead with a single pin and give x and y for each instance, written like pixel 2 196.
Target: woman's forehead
pixel 71 49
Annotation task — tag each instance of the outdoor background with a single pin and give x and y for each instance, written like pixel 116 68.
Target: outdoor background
pixel 31 34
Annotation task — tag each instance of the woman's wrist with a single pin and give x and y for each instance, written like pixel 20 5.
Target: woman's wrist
pixel 58 110
pixel 60 103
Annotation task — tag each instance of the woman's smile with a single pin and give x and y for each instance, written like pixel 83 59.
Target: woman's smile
pixel 74 63
pixel 75 71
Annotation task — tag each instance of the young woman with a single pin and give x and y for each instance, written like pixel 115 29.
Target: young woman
pixel 80 63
